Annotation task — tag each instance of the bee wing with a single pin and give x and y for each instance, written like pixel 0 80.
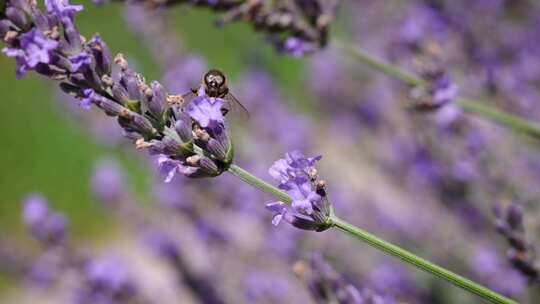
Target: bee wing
pixel 236 108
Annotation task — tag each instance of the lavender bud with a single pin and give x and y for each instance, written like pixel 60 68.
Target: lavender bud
pixel 40 21
pixel 91 76
pixel 18 18
pixel 131 83
pixel 209 166
pixel 303 222
pixel 142 124
pixel 183 127
pixel 61 62
pixel 171 146
pixel 217 149
pixel 72 35
pixel 158 102
pixel 110 107
pixel 101 54
pixel 120 94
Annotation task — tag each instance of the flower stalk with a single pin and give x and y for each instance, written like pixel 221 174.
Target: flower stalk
pixel 380 244
pixel 419 262
pixel 468 105
pixel 252 180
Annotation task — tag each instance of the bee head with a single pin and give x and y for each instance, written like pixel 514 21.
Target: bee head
pixel 214 79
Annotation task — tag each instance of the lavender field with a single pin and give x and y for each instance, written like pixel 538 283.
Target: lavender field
pixel 269 151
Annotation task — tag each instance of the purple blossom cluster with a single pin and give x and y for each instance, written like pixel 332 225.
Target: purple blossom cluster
pixel 310 208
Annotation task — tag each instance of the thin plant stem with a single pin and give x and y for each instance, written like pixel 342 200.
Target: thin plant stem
pixel 251 179
pixel 476 107
pixel 419 262
pixel 378 243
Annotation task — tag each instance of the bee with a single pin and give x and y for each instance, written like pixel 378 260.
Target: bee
pixel 214 84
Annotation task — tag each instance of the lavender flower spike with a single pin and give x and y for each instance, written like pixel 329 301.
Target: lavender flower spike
pixel 310 208
pixel 191 140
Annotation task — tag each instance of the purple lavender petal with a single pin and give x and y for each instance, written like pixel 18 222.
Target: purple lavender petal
pixel 206 111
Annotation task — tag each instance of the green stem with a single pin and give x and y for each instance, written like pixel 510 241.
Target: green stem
pixel 251 179
pixel 379 243
pixel 479 108
pixel 379 65
pixel 515 123
pixel 420 262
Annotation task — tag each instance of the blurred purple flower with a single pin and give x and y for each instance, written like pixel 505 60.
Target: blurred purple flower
pixel 162 244
pixel 107 280
pixel 46 269
pixel 392 279
pixel 261 286
pixel 46 226
pixel 108 180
